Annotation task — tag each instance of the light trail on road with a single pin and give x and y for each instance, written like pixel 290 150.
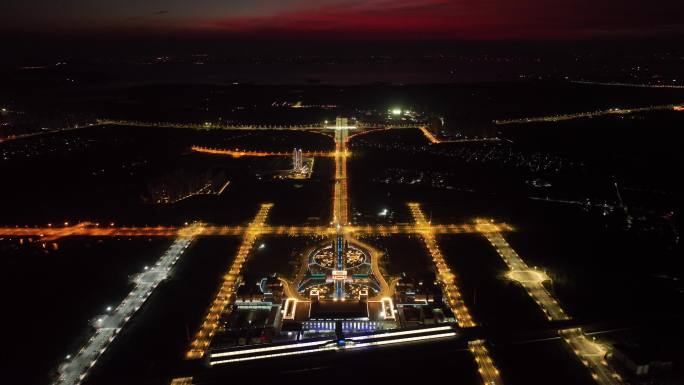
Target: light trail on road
pixel 107 326
pixel 202 340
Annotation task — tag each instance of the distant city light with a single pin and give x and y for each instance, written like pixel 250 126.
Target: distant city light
pixel 261 246
pixel 396 111
pixel 383 212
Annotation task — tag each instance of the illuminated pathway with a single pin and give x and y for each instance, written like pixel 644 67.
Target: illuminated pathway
pixel 200 343
pixel 107 326
pixel 592 356
pixel 210 126
pixel 488 372
pixel 591 114
pixel 340 198
pixel 43 234
pixel 232 355
pixel 316 128
pixel 428 135
pixel 531 279
pixel 236 153
pixel 486 368
pixel 590 353
pixel 444 274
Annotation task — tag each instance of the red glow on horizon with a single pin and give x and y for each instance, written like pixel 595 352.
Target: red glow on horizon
pixel 360 19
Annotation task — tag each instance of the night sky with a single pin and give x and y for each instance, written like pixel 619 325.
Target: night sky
pixel 393 19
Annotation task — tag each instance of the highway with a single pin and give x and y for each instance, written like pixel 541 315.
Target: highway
pixel 108 325
pixel 223 298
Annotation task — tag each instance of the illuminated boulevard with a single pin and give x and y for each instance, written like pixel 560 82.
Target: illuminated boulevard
pixel 590 114
pixel 108 325
pixel 590 353
pixel 486 368
pixel 236 153
pixel 200 343
pixel 52 233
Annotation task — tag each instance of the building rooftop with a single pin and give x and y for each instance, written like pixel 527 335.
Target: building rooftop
pixel 339 310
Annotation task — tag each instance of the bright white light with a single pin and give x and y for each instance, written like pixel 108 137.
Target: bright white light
pixel 261 246
pixel 327 348
pixel 109 308
pixel 68 356
pixel 268 349
pixel 396 111
pixel 383 212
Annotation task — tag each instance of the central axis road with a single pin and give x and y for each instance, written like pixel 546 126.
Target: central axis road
pixel 340 200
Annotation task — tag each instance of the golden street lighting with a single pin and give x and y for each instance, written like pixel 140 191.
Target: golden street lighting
pixel 200 343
